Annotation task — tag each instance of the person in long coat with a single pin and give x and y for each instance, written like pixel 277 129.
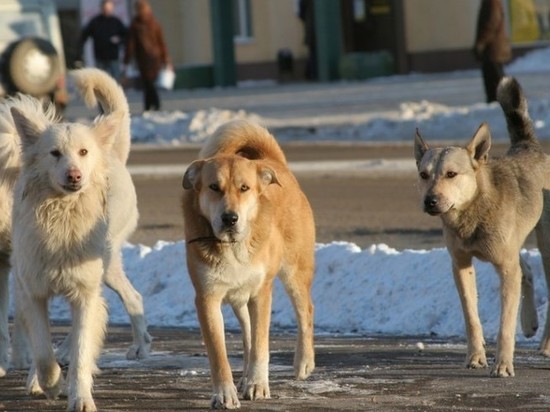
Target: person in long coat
pixel 492 46
pixel 145 44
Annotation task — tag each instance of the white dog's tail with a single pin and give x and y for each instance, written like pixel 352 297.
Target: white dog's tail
pixel 98 88
pixel 513 103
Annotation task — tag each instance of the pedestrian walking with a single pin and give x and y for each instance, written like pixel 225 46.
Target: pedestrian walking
pixel 146 46
pixel 108 34
pixel 492 45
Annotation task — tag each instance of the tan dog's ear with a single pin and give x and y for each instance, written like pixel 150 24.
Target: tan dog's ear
pixel 420 147
pixel 480 144
pixel 267 176
pixel 191 178
pixel 26 128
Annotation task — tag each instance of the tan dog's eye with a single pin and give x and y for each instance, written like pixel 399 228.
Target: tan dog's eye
pixel 244 188
pixel 214 187
pixel 83 152
pixel 424 175
pixel 450 174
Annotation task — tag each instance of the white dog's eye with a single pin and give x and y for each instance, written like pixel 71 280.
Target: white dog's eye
pixel 244 188
pixel 214 187
pixel 56 153
pixel 424 175
pixel 83 152
pixel 451 174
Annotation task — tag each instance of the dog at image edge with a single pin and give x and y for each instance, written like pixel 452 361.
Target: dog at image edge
pixel 247 221
pixel 488 207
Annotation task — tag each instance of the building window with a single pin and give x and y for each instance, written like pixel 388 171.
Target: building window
pixel 242 20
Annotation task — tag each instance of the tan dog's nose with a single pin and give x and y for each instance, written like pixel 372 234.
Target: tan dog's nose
pixel 230 219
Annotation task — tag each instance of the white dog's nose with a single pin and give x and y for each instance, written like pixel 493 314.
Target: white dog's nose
pixel 74 175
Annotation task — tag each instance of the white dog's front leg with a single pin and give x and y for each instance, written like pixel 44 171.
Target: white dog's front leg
pixel 89 323
pixel 36 320
pixel 465 280
pixel 510 288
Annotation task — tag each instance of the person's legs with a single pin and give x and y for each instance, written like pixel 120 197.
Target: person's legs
pixel 151 98
pixel 492 73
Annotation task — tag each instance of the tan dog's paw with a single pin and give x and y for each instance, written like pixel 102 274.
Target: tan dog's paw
pixel 254 391
pixel 476 361
pixel 82 405
pixel 303 368
pixel 225 398
pixel 502 370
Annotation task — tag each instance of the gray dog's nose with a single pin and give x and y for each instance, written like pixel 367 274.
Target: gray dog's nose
pixel 430 201
pixel 230 218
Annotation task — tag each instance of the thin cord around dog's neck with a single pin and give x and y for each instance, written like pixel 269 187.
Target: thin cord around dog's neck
pixel 208 239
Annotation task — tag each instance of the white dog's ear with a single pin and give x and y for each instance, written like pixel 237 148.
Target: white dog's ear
pixel 480 144
pixel 191 178
pixel 26 128
pixel 267 176
pixel 107 129
pixel 420 147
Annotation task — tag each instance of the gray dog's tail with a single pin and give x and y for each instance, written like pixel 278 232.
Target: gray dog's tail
pixel 513 103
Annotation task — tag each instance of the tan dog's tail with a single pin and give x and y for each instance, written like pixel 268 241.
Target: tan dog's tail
pixel 97 88
pixel 243 138
pixel 513 103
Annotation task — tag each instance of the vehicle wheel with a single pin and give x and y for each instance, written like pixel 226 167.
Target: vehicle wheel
pixel 32 66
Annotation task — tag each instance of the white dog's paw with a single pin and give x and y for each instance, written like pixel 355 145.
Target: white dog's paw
pixel 477 360
pixel 83 404
pixel 254 391
pixel 140 350
pixel 33 387
pixel 502 369
pixel 50 381
pixel 545 347
pixel 225 398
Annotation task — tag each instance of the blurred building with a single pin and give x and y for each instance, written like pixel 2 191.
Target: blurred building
pixel 221 42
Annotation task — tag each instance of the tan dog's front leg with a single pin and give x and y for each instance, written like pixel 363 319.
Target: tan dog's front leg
pixel 510 287
pixel 211 322
pixel 257 381
pixel 465 280
pixel 241 312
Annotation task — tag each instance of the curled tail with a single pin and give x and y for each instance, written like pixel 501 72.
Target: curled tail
pixel 97 88
pixel 243 138
pixel 512 100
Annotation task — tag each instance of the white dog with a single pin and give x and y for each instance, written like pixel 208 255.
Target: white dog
pixel 74 204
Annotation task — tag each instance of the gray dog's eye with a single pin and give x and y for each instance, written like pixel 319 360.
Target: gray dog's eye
pixel 214 187
pixel 424 175
pixel 451 174
pixel 56 153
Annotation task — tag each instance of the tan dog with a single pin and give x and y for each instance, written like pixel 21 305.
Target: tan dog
pixel 247 221
pixel 488 207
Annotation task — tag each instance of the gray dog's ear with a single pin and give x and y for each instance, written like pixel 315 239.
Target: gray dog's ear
pixel 191 178
pixel 480 144
pixel 26 128
pixel 420 147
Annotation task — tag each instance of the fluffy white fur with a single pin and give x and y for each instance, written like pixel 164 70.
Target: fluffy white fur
pixel 74 204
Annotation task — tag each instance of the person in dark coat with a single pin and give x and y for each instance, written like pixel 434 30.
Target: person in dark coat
pixel 306 14
pixel 108 34
pixel 492 46
pixel 146 45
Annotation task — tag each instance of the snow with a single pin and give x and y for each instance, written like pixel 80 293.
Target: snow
pixel 377 290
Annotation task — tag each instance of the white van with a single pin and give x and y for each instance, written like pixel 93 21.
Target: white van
pixel 31 50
